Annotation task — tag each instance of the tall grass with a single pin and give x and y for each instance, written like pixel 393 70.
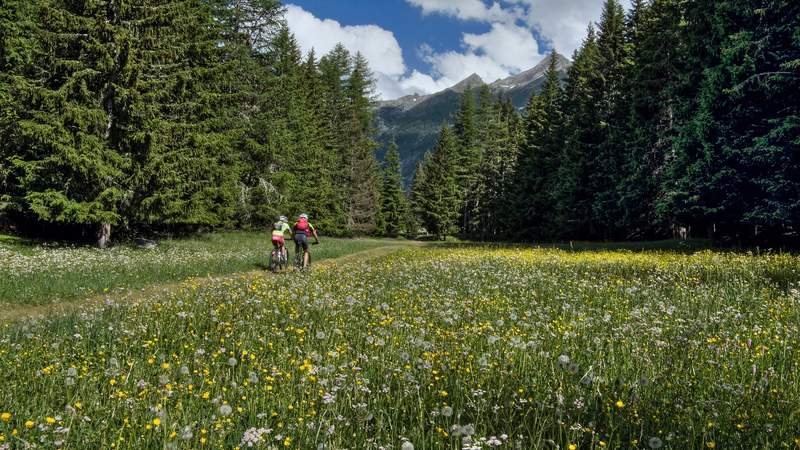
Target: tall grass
pixel 35 273
pixel 425 349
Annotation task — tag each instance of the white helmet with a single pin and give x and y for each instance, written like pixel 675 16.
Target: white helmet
pixel 304 216
pixel 283 219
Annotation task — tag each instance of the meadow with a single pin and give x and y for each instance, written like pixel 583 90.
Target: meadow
pixel 426 348
pixel 35 273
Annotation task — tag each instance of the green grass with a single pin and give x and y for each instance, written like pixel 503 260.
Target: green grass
pixel 439 348
pixel 32 273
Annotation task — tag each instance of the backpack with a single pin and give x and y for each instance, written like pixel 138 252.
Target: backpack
pixel 277 226
pixel 301 226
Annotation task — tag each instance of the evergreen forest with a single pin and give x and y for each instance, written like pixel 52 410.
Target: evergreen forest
pixel 677 117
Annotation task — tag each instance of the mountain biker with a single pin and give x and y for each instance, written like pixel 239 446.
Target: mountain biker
pixel 279 229
pixel 302 228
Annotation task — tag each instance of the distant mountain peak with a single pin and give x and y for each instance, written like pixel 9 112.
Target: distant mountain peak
pixel 531 75
pixel 471 81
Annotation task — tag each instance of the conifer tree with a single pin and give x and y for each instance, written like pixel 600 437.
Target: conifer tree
pixel 393 200
pixel 363 177
pixel 22 65
pixel 290 135
pixel 497 169
pixel 325 199
pixel 248 29
pixel 651 102
pixel 184 165
pixel 736 168
pixel 539 158
pixel 65 168
pixel 469 159
pixel 573 196
pixel 436 197
pixel 607 155
pixel 418 194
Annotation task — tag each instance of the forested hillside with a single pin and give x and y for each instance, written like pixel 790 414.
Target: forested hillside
pixel 414 121
pixel 679 116
pixel 177 115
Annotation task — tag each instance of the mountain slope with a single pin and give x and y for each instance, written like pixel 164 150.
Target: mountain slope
pixel 414 121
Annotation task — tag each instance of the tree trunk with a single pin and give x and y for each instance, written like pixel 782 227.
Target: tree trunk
pixel 104 235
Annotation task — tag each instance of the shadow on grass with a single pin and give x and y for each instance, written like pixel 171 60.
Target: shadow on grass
pixel 673 246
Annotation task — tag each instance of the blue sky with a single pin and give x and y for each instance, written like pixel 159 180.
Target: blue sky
pixel 423 46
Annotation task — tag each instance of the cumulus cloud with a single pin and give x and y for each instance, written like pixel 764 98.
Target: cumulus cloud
pixel 509 45
pixel 562 22
pixel 466 9
pixel 506 49
pixel 379 46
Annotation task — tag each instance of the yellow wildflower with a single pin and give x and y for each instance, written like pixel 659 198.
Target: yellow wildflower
pixel 5 417
pixel 50 420
pixel 620 404
pixel 156 421
pixel 29 424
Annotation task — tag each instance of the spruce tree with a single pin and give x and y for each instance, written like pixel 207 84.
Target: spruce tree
pixel 418 195
pixel 736 168
pixel 497 168
pixel 184 165
pixel 469 159
pixel 22 65
pixel 62 130
pixel 326 206
pixel 573 195
pixel 393 200
pixel 248 29
pixel 297 153
pixel 539 158
pixel 607 156
pixel 334 68
pixel 363 175
pixel 437 197
pixel 652 103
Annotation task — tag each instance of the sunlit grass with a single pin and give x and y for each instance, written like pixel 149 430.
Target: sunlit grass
pixel 35 274
pixel 427 348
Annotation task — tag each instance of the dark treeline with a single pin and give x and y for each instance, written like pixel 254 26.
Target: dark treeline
pixel 677 115
pixel 178 115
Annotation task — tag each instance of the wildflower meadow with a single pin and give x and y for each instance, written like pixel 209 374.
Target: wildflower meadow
pixel 425 348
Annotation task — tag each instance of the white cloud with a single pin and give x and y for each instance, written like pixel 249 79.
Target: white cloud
pixel 504 50
pixel 466 10
pixel 378 45
pixel 563 22
pixel 507 48
pixel 422 83
pixel 511 46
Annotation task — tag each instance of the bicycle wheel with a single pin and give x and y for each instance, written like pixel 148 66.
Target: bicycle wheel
pixel 274 261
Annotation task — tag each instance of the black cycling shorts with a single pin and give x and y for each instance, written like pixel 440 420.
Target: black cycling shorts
pixel 301 240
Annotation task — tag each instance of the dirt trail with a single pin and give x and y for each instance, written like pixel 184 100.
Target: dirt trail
pixel 33 311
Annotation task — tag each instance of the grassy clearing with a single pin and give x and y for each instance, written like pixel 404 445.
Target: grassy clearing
pixel 430 348
pixel 34 274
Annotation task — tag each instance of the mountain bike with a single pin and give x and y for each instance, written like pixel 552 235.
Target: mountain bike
pixel 277 260
pixel 298 260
